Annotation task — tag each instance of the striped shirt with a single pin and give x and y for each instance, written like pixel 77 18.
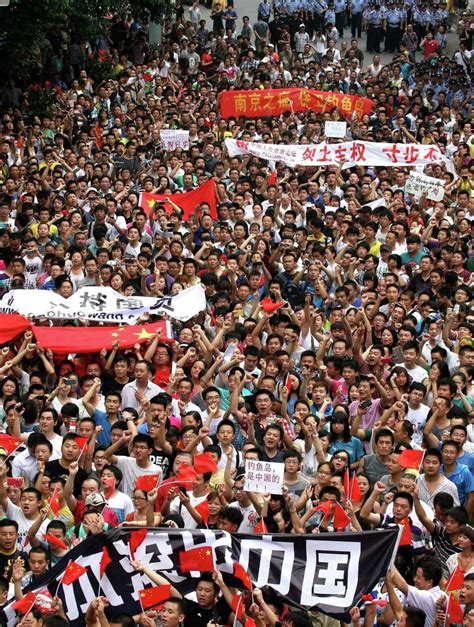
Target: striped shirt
pixel 443 547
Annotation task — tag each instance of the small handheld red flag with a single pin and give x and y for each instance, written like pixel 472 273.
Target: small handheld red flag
pixel 454 610
pixel 54 502
pixel 147 483
pixel 269 306
pixel 340 518
pixel 55 541
pixel 238 606
pixel 260 527
pixel 204 462
pixel 354 491
pixel 149 597
pixel 288 383
pixel 24 604
pixel 105 560
pixel 82 444
pixel 410 459
pixel 73 571
pixel 272 179
pixel 109 484
pixel 9 443
pixel 405 540
pixel 200 559
pixel 326 507
pixel 455 581
pixel 347 483
pixel 203 511
pixel 242 574
pixel 136 538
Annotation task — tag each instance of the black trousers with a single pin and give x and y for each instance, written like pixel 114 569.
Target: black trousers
pixel 340 23
pixel 393 38
pixel 374 37
pixel 356 24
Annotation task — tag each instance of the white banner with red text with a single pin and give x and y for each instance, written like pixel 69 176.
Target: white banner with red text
pixel 346 155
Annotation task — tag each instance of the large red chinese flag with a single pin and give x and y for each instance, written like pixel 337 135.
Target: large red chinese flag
pixel 455 581
pixel 204 462
pixel 150 597
pixel 73 571
pixel 200 559
pixel 136 538
pixel 24 605
pixel 410 459
pixel 105 560
pixel 11 326
pixel 9 443
pixel 94 339
pixel 188 202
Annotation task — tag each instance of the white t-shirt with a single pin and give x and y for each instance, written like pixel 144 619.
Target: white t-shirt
pixel 15 513
pixel 417 417
pixel 250 517
pixel 131 471
pixel 176 507
pixel 425 600
pixel 417 374
pixel 121 504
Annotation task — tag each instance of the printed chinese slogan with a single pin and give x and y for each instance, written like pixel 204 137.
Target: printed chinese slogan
pixel 346 155
pixel 327 572
pixel 102 304
pixel 270 102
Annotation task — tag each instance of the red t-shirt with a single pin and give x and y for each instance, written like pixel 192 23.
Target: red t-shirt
pixel 430 46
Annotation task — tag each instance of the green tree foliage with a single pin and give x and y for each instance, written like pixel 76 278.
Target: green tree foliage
pixel 25 24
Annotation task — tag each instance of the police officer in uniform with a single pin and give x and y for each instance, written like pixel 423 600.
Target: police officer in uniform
pixel 356 8
pixel 340 8
pixel 319 9
pixel 393 23
pixel 374 20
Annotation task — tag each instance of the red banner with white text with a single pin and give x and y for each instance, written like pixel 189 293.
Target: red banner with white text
pixel 270 102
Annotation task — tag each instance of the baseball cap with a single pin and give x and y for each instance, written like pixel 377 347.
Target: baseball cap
pixel 95 500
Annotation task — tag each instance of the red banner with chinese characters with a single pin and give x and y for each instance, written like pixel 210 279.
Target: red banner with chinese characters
pixel 270 102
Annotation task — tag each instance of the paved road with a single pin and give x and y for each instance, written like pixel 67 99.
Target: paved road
pixel 249 7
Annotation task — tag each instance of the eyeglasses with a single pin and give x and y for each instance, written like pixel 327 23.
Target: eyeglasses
pixel 341 457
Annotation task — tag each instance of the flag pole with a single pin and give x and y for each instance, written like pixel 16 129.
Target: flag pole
pixel 61 579
pixel 26 613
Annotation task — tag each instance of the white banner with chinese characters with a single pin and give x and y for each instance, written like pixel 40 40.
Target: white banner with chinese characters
pixel 345 155
pixel 418 184
pixel 263 477
pixel 171 139
pixel 102 304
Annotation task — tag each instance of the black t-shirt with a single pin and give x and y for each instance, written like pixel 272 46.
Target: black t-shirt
pixel 196 616
pixel 56 470
pixel 109 384
pixel 161 459
pixel 6 563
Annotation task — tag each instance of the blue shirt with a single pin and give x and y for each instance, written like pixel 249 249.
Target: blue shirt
pixel 463 479
pixel 353 447
pixel 357 6
pixel 101 418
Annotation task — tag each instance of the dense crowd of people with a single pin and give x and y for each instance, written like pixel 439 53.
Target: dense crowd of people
pixel 339 328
